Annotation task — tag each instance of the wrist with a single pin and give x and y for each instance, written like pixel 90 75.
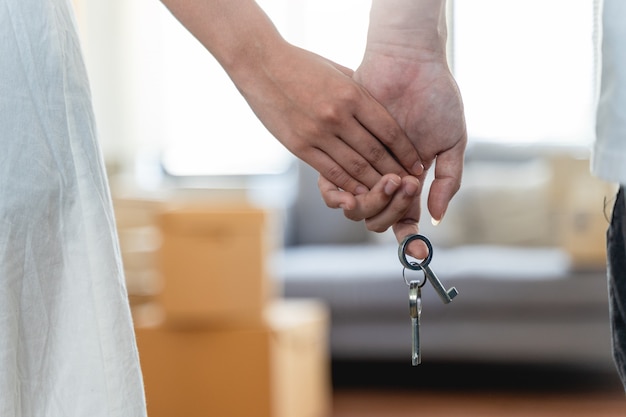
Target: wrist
pixel 253 56
pixel 410 29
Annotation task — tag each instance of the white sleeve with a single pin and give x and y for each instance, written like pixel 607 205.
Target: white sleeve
pixel 609 152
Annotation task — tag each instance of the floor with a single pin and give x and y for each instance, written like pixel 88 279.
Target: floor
pixel 468 390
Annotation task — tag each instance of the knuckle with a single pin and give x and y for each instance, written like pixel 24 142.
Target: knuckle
pixel 338 176
pixel 348 93
pixel 390 134
pixel 377 153
pixel 330 113
pixel 359 167
pixel 351 215
pixel 344 100
pixel 375 227
pixel 329 203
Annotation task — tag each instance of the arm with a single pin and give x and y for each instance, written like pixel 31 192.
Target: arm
pixel 311 105
pixel 405 68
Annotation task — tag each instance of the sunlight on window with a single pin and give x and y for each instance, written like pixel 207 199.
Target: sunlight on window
pixel 526 69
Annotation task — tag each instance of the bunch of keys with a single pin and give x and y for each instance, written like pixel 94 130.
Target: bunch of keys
pixel 415 289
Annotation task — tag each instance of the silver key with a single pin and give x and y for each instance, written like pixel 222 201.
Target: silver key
pixel 415 310
pixel 445 295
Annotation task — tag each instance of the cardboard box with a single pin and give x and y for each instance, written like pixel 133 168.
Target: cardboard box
pixel 280 369
pixel 139 240
pixel 584 224
pixel 213 262
pixel 132 212
pixel 583 218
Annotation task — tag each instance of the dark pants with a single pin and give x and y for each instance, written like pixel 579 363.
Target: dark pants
pixel 616 263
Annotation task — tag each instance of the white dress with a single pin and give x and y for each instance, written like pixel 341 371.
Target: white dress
pixel 67 346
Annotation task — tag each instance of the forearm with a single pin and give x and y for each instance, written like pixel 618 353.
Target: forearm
pixel 408 28
pixel 311 105
pixel 405 69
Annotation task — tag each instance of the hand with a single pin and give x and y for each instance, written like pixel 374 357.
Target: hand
pixel 324 117
pixel 425 100
pixel 405 69
pixel 387 203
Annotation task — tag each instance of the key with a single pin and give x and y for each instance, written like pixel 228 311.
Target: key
pixel 415 310
pixel 445 295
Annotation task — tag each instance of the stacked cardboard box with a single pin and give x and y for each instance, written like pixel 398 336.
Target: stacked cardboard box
pixel 583 206
pixel 219 340
pixel 214 264
pixel 278 369
pixel 140 240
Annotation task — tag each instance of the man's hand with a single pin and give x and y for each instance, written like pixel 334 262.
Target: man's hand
pixel 405 69
pixel 425 100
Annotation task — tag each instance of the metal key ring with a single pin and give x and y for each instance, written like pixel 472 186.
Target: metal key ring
pixel 415 266
pixel 420 284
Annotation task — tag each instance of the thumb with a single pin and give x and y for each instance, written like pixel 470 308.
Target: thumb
pixel 448 173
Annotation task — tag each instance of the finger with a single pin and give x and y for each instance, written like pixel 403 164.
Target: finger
pixel 346 165
pixel 332 168
pixel 334 197
pixel 398 208
pixel 447 181
pixel 376 200
pixel 409 225
pixel 416 249
pixel 362 206
pixel 378 122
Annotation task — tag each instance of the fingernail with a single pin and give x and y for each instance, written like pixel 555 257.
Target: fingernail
pixel 418 168
pixel 391 187
pixel 410 188
pixel 436 222
pixel 361 189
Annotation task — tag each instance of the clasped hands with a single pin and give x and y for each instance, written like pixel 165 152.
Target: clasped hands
pixel 372 134
pixel 423 98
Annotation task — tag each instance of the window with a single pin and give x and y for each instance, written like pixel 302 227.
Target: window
pixel 526 69
pixel 205 126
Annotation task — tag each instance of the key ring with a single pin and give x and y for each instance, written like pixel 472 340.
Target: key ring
pixel 420 284
pixel 415 266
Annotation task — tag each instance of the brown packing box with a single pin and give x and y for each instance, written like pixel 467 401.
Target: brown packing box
pixel 139 240
pixel 583 231
pixel 583 205
pixel 280 369
pixel 213 262
pixel 137 212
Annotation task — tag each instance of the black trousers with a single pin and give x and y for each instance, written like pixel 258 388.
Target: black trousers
pixel 616 274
